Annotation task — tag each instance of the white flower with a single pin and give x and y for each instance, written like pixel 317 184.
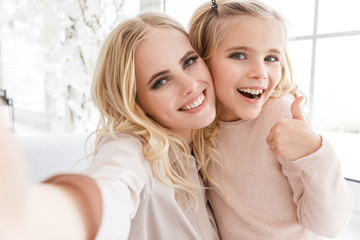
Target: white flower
pixel 70 36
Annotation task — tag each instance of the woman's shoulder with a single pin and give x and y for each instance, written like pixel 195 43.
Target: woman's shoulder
pixel 120 149
pixel 120 140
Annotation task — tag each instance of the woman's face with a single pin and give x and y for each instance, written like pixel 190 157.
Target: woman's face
pixel 173 84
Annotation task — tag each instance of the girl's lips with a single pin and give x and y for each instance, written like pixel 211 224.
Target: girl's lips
pixel 251 95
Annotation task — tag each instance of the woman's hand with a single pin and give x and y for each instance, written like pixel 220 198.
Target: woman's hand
pixel 68 209
pixel 291 139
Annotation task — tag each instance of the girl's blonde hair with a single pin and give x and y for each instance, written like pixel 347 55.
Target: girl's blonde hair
pixel 114 92
pixel 206 31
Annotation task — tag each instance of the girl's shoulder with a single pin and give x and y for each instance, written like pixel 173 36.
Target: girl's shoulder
pixel 276 109
pixel 279 102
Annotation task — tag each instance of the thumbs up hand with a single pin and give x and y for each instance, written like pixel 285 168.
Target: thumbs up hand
pixel 290 139
pixel 296 109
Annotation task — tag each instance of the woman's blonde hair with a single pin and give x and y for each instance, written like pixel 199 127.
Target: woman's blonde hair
pixel 206 31
pixel 114 92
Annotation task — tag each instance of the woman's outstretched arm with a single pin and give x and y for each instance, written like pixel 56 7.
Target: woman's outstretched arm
pixel 63 207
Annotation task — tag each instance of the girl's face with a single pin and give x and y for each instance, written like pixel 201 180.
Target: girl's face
pixel 173 84
pixel 246 66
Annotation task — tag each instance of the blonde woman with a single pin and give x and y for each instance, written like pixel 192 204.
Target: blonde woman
pixel 279 179
pixel 152 90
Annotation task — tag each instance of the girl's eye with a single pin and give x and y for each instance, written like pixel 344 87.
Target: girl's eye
pixel 271 59
pixel 238 56
pixel 159 83
pixel 188 62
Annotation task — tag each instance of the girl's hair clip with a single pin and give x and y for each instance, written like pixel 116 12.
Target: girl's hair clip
pixel 214 5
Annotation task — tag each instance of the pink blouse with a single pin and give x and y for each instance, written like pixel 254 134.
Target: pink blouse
pixel 136 205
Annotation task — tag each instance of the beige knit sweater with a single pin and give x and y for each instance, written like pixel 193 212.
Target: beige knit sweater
pixel 262 198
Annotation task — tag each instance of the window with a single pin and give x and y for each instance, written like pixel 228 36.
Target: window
pixel 325 57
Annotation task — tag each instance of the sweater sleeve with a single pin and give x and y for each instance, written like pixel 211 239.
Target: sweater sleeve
pixel 324 201
pixel 121 173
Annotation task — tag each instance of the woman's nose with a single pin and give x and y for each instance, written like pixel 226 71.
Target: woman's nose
pixel 188 84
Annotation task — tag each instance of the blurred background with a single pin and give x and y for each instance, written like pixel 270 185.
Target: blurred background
pixel 48 50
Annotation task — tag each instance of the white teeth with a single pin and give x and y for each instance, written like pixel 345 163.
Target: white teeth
pixel 252 91
pixel 196 103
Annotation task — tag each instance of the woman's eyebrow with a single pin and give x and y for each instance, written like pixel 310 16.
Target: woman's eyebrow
pixel 182 59
pixel 186 55
pixel 156 75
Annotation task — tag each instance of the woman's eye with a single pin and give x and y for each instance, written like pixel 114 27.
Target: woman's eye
pixel 188 62
pixel 271 59
pixel 238 56
pixel 159 83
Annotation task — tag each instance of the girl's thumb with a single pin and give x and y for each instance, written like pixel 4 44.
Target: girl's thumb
pixel 296 109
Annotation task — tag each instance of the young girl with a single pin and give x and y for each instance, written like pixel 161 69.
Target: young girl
pixel 278 178
pixel 152 90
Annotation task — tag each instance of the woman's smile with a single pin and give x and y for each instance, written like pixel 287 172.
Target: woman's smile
pixel 194 104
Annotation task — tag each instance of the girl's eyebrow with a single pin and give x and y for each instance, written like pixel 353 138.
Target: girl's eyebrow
pixel 240 48
pixel 236 49
pixel 156 75
pixel 274 50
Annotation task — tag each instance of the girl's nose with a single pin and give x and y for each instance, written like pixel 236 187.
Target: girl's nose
pixel 257 71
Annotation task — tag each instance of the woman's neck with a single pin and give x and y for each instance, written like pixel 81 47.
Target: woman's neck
pixel 185 134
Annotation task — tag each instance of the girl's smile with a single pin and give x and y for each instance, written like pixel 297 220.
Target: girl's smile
pixel 251 93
